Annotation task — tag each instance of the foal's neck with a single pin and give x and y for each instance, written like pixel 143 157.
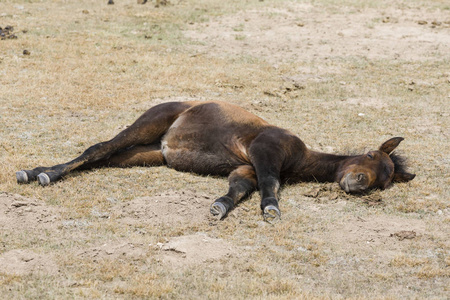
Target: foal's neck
pixel 321 167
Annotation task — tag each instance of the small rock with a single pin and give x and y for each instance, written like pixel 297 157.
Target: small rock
pixel 112 200
pixel 422 22
pixel 99 214
pixel 21 203
pixel 6 33
pixel 404 234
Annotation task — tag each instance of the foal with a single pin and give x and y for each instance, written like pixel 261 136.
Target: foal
pixel 217 138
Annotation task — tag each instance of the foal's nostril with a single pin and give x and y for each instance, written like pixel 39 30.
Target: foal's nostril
pixel 360 176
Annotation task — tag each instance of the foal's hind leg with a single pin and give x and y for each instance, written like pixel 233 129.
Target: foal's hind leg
pixel 142 155
pixel 242 183
pixel 148 129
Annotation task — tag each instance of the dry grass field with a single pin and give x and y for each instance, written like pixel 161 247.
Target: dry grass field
pixel 343 75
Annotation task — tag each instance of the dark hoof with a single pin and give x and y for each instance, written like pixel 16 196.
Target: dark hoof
pixel 218 209
pixel 272 214
pixel 43 179
pixel 22 177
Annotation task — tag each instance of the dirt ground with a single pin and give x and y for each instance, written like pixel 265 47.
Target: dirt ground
pixel 343 75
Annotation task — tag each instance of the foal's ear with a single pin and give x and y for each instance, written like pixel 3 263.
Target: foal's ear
pixel 403 177
pixel 389 146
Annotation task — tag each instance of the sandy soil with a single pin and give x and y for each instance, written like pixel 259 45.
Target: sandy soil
pixel 292 35
pixel 34 217
pixel 30 216
pixel 174 208
pixel 303 32
pixel 299 32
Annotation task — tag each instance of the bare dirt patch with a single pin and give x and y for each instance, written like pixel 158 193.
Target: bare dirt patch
pixel 303 31
pixel 195 250
pixel 118 251
pixel 31 218
pixel 22 213
pixel 366 102
pixel 169 209
pixel 375 232
pixel 25 262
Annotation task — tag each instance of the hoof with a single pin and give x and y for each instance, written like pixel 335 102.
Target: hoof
pixel 272 214
pixel 43 179
pixel 22 177
pixel 218 209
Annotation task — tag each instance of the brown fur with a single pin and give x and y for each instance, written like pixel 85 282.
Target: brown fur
pixel 223 139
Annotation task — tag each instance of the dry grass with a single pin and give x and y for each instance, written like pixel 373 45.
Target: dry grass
pixel 94 68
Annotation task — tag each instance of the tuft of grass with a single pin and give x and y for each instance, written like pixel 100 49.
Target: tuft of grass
pixel 404 261
pixel 429 272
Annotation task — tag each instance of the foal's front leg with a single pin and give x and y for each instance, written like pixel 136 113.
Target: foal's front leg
pixel 242 183
pixel 267 153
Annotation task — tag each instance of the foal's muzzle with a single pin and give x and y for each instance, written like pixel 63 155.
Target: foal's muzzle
pixel 354 182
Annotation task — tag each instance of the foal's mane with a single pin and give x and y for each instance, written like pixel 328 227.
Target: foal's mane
pixel 400 162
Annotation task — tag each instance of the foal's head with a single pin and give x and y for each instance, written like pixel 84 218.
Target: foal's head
pixel 375 169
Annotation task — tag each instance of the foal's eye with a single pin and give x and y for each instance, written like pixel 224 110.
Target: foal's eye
pixel 370 156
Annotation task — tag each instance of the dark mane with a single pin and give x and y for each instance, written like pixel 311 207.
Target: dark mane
pixel 400 162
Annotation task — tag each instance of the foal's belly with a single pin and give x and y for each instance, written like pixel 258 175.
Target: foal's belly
pixel 206 152
pixel 196 160
pixel 209 139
